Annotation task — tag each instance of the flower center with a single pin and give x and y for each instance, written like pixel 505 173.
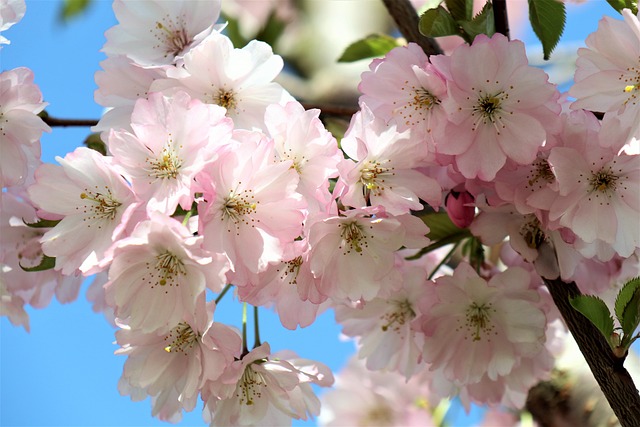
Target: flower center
pixel 352 238
pixel 172 36
pixel 489 108
pixel 237 206
pixel 181 339
pixel 603 181
pixel 167 166
pixel 170 267
pixel 226 99
pixel 380 416
pixel 478 319
pixel 101 206
pixel 251 386
pixel 541 174
pixel 373 176
pixel 417 104
pixel 291 270
pixel 396 318
pixel 531 232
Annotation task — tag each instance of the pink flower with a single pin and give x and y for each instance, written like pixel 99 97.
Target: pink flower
pixel 404 89
pixel 385 173
pixel 156 33
pixel 300 136
pixel 608 74
pixel 11 12
pixel 499 107
pixel 265 389
pixel 158 274
pixel 95 204
pixel 173 139
pixel 460 208
pixel 239 80
pixel 20 126
pixel 173 366
pixel 478 327
pixel 250 209
pixel 598 196
pixel 383 326
pixel 353 254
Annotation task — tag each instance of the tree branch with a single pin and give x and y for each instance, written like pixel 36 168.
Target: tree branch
pixel 614 380
pixel 53 121
pixel 407 20
pixel 500 17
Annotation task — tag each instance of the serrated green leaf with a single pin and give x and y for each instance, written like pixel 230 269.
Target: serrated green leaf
pixel 373 46
pixel 72 8
pixel 438 23
pixel 46 263
pixel 625 295
pixel 461 10
pixel 594 309
pixel 547 18
pixel 440 225
pixel 631 315
pixel 482 23
pixel 42 223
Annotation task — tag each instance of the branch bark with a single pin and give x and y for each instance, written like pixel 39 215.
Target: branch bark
pixel 53 121
pixel 407 20
pixel 500 17
pixel 612 377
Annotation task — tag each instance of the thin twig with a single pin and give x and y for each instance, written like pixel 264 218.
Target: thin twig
pixel 407 20
pixel 332 109
pixel 54 121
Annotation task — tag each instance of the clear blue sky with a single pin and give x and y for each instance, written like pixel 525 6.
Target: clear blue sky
pixel 64 372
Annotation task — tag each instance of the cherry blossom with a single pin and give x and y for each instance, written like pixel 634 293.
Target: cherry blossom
pixel 20 127
pixel 479 328
pixel 11 12
pixel 94 202
pixel 250 209
pixel 173 366
pixel 239 80
pixel 157 33
pixel 166 151
pixel 404 89
pixel 499 107
pixel 267 389
pixel 158 273
pixel 607 75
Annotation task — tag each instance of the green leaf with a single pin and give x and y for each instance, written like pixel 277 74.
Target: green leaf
pixel 618 5
pixel 594 309
pixel 73 8
pixel 373 46
pixel 482 23
pixel 46 263
pixel 42 223
pixel 442 232
pixel 630 318
pixel 438 23
pixel 461 10
pixel 272 30
pixel 547 19
pixel 625 295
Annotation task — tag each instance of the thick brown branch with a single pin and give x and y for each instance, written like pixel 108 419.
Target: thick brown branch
pixel 614 380
pixel 332 110
pixel 500 17
pixel 53 121
pixel 407 20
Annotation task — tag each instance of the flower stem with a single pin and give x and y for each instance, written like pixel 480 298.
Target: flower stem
pixel 444 260
pixel 224 291
pixel 256 341
pixel 245 350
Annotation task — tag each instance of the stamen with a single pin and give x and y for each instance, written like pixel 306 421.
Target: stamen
pixel 181 339
pixel 396 318
pixel 167 166
pixel 104 205
pixel 352 238
pixel 478 320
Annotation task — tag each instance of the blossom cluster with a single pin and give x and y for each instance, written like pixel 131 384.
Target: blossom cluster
pixel 215 177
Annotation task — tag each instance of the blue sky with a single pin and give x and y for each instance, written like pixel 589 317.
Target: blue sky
pixel 64 372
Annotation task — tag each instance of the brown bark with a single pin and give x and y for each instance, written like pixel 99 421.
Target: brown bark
pixel 406 18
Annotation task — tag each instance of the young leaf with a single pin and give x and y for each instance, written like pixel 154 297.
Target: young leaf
pixel 547 19
pixel 373 46
pixel 631 316
pixel 72 8
pixel 482 23
pixel 438 23
pixel 594 309
pixel 46 263
pixel 461 10
pixel 618 5
pixel 625 295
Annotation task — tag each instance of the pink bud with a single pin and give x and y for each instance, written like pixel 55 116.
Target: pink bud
pixel 460 208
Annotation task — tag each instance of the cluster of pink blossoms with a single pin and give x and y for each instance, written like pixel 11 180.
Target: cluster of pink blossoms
pixel 215 177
